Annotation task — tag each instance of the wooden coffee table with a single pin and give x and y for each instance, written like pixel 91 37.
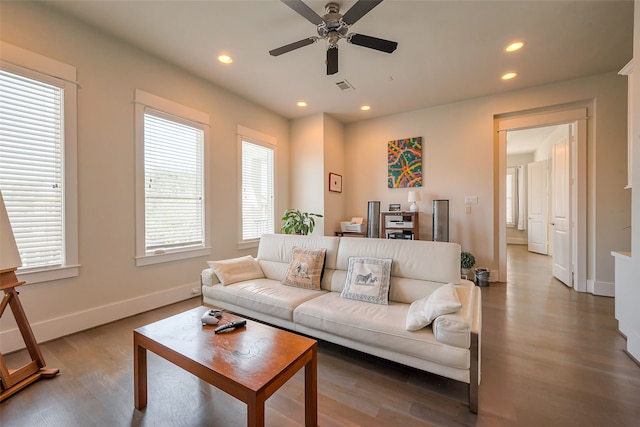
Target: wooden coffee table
pixel 249 363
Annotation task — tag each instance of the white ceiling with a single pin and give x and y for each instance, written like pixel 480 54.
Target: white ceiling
pixel 448 50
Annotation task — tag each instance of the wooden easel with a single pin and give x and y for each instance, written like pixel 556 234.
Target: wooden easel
pixel 15 380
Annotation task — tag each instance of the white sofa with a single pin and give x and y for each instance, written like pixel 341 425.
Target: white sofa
pixel 449 347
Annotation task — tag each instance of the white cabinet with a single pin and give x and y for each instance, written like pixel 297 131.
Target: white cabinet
pixel 628 71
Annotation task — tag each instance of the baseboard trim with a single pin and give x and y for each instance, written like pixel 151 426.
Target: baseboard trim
pixel 517 241
pixel 631 357
pixel 11 340
pixel 604 289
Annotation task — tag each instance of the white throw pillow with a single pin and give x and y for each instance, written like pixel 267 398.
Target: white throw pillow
pixel 236 269
pixel 422 312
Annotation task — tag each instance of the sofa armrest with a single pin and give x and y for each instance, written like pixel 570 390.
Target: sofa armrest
pixel 208 278
pixel 454 329
pixel 475 359
pixel 476 326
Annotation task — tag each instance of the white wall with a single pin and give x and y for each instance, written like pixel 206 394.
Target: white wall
pixel 459 159
pixel 110 285
pixel 307 167
pixel 334 162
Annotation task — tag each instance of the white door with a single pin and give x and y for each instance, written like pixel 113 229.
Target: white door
pixel 537 206
pixel 561 209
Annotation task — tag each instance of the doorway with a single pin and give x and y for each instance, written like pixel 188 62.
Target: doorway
pixel 538 194
pixel 575 206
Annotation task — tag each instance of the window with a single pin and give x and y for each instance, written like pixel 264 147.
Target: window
pixel 257 157
pixel 38 161
pixel 171 210
pixel 511 197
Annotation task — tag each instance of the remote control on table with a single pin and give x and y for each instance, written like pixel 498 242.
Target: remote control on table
pixel 231 325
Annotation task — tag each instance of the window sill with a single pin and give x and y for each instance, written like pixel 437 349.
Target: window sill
pixel 49 274
pixel 171 256
pixel 248 244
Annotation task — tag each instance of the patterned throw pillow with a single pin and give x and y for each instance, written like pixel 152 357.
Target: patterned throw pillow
pixel 305 269
pixel 368 280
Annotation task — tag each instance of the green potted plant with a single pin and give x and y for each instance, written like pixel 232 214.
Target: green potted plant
pixel 467 261
pixel 296 222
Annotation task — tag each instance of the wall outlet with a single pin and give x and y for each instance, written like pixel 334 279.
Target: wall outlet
pixel 470 200
pixel 467 209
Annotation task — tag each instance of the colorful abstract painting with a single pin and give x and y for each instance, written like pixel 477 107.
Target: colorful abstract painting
pixel 405 163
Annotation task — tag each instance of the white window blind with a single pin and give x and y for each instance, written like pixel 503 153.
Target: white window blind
pixel 31 167
pixel 257 190
pixel 173 173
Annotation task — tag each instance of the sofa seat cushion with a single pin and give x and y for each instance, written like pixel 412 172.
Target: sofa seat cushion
pixel 378 325
pixel 264 296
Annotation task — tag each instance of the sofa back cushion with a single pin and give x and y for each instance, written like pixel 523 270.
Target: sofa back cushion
pixel 274 251
pixel 413 259
pixel 419 266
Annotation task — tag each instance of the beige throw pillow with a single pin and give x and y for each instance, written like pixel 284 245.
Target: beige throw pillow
pixel 236 269
pixel 305 269
pixel 422 312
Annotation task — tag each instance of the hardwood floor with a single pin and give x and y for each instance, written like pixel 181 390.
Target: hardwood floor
pixel 550 357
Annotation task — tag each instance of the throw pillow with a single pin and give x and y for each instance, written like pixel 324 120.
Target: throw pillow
pixel 236 269
pixel 305 269
pixel 422 312
pixel 368 280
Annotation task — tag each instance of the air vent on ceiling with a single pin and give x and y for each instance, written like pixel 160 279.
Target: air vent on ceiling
pixel 345 86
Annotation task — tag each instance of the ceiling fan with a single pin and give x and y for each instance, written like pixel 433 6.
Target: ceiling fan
pixel 332 27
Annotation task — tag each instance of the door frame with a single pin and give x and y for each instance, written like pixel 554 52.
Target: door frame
pixel 578 116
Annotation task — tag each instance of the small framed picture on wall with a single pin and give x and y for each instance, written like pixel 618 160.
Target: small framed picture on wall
pixel 335 182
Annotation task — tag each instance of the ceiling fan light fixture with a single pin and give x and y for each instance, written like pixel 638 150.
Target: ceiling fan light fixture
pixel 514 46
pixel 225 59
pixel 508 76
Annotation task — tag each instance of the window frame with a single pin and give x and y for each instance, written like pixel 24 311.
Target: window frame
pixel 32 65
pixel 259 138
pixel 146 102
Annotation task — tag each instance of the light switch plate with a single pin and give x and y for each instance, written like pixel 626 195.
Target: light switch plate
pixel 470 200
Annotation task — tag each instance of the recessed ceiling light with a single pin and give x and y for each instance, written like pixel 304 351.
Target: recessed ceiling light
pixel 509 76
pixel 301 104
pixel 225 59
pixel 512 47
pixel 365 108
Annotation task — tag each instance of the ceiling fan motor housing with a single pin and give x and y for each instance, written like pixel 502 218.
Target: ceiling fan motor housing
pixel 333 28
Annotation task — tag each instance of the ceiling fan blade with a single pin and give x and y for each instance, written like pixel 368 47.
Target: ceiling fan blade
pixel 293 46
pixel 332 60
pixel 358 10
pixel 372 42
pixel 304 10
